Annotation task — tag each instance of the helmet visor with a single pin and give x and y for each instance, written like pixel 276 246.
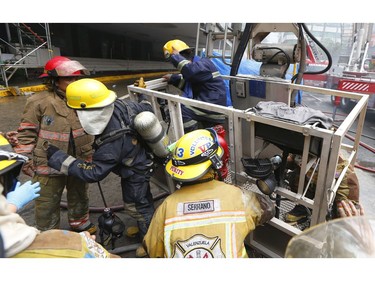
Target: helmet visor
pixel 69 68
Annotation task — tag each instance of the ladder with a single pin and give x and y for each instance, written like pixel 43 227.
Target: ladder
pixel 222 40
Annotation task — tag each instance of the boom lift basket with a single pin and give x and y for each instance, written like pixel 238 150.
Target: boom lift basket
pixel 254 136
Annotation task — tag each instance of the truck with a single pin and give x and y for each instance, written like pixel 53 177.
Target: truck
pixel 315 63
pixel 254 136
pixel 354 74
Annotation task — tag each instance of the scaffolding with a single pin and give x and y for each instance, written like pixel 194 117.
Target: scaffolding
pixel 27 49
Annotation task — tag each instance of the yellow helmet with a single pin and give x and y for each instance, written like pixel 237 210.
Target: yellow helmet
pixel 89 93
pixel 194 154
pixel 178 45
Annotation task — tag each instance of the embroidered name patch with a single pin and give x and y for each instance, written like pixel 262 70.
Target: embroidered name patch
pixel 199 207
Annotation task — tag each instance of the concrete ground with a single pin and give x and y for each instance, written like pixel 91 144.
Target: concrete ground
pixel 11 110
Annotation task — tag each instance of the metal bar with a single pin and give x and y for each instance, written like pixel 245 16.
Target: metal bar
pixel 239 142
pixel 24 57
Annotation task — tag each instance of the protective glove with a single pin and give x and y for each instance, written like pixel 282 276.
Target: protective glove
pixel 51 150
pixel 23 194
pixel 140 83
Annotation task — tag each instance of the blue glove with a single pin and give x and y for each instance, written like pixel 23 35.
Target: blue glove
pixel 23 194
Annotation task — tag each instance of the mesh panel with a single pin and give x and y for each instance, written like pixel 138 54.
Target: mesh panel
pixel 284 206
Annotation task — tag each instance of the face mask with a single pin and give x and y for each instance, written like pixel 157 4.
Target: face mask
pixel 94 121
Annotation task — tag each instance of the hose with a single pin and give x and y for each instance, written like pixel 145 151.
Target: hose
pixel 371 149
pixel 322 47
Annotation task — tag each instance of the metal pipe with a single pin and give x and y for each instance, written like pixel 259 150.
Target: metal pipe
pixel 21 59
pixel 197 41
pixel 49 44
pixel 123 249
pixel 224 45
pixel 9 35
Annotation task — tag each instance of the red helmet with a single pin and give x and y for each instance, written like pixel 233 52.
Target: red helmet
pixel 62 66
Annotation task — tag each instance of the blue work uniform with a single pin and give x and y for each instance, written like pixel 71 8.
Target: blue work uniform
pixel 200 81
pixel 123 154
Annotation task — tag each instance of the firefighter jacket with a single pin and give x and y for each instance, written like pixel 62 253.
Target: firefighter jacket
pixel 206 220
pixel 47 118
pixel 123 153
pixel 202 80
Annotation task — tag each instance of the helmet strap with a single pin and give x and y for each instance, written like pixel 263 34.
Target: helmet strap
pixel 209 176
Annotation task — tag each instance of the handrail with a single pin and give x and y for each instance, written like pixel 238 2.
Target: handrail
pixel 243 138
pixel 24 57
pixel 36 35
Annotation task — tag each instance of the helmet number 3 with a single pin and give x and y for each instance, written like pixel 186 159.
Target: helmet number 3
pixel 180 152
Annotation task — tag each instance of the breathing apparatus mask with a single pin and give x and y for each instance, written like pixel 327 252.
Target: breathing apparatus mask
pixel 111 226
pixel 263 171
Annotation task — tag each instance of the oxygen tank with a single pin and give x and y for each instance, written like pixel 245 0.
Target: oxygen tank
pixel 150 129
pixel 225 158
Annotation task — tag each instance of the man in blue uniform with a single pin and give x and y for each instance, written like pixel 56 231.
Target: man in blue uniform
pixel 199 80
pixel 117 147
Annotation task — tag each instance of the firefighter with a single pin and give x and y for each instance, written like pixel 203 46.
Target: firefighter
pixel 117 146
pixel 199 80
pixel 46 118
pixel 17 239
pixel 204 218
pixel 347 193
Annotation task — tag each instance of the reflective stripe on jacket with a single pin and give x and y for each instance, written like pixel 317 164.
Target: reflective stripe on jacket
pixel 203 81
pixel 207 220
pixel 46 117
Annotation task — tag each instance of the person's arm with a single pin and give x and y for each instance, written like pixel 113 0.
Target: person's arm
pixel 104 159
pixel 153 242
pixel 198 71
pixel 28 134
pixel 258 207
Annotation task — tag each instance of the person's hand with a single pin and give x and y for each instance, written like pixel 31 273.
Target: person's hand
pixel 174 51
pixel 167 77
pixel 140 83
pixel 11 136
pixel 28 168
pixel 23 194
pixel 87 234
pixel 348 209
pixel 51 150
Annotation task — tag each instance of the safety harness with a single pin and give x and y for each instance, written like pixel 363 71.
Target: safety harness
pixel 126 127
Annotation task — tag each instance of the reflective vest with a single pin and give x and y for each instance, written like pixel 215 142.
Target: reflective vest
pixel 206 220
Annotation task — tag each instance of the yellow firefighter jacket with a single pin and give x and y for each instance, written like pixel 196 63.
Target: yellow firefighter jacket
pixel 47 118
pixel 206 220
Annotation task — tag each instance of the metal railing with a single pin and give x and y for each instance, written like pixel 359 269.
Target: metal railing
pixel 243 141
